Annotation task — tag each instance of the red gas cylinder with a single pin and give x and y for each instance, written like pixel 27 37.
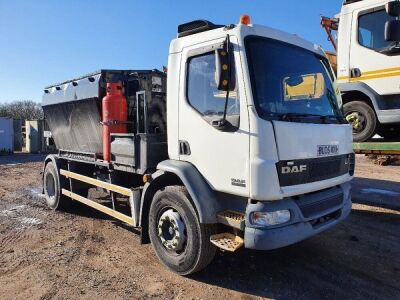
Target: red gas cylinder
pixel 114 115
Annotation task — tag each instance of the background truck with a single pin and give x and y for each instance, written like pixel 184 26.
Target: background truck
pixel 242 144
pixel 368 65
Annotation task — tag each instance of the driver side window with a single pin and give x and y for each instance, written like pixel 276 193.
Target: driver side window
pixel 371 29
pixel 203 94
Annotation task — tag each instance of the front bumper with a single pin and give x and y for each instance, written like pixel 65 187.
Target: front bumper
pixel 310 215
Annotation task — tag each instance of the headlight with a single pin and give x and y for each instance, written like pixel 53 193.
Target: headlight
pixel 270 218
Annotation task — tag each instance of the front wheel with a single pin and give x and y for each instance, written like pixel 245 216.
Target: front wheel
pixel 179 240
pixel 363 119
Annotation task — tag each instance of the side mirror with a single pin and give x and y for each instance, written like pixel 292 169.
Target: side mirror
pixel 225 68
pixel 393 8
pixel 392 31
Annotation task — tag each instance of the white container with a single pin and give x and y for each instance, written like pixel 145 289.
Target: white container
pixel 6 135
pixel 35 142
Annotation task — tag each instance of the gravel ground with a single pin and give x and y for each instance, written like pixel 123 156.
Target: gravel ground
pixel 83 254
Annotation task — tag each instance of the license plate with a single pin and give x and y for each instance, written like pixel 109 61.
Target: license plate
pixel 324 150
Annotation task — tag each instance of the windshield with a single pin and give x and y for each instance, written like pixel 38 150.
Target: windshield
pixel 290 83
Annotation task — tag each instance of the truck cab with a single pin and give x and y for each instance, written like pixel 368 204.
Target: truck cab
pixel 259 154
pixel 285 109
pixel 285 157
pixel 368 66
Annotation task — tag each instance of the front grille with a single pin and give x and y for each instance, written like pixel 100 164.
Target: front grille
pixel 303 171
pixel 311 206
pixel 324 169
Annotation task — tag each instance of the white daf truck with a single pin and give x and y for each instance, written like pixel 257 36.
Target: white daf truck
pixel 256 151
pixel 368 65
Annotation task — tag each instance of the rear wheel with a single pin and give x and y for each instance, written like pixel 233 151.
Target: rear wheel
pixel 52 189
pixel 179 240
pixel 363 119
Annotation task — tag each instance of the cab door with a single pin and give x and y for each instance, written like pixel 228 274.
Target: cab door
pixel 220 156
pixel 378 70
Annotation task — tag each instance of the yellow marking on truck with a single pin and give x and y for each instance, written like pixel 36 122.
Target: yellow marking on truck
pixel 382 71
pixel 97 206
pixel 105 185
pixel 374 74
pixel 383 75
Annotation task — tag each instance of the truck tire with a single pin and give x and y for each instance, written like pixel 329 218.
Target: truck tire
pixel 363 118
pixel 179 240
pixel 52 189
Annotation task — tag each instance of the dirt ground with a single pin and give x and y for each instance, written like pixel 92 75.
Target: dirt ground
pixel 83 254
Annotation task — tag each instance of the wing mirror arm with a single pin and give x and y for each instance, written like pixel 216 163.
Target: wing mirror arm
pixel 224 77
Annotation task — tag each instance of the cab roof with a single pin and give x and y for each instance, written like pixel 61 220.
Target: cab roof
pixel 200 31
pixel 350 5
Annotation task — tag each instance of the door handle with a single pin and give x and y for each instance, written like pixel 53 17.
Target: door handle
pixel 184 148
pixel 355 73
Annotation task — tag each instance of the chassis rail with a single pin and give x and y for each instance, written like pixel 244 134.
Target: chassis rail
pixel 131 220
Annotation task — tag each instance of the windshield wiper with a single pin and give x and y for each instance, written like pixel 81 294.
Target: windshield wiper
pixel 291 116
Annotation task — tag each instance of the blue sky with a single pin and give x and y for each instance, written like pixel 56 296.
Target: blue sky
pixel 43 42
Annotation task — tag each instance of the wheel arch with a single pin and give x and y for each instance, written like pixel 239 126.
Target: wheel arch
pixel 172 172
pixel 359 91
pixel 357 96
